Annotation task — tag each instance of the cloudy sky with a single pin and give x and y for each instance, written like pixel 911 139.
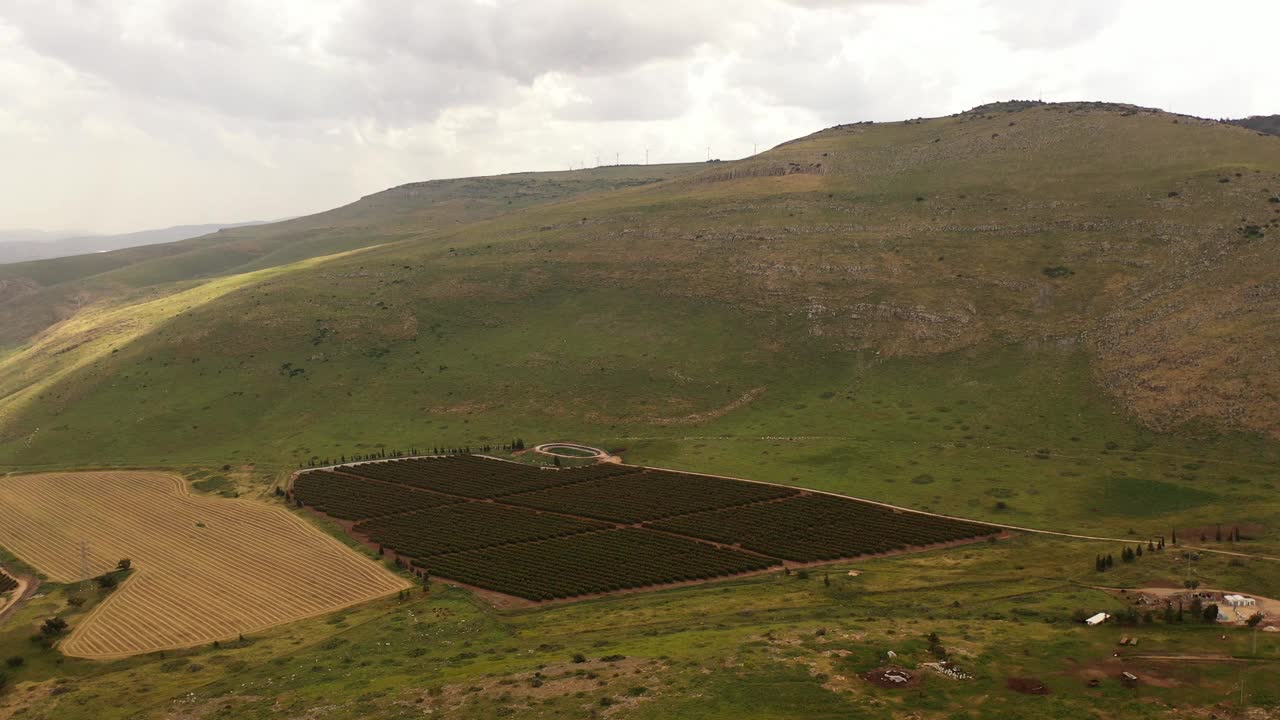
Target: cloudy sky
pixel 120 115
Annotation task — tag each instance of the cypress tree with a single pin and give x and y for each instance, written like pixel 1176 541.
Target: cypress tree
pixel 1217 534
pixel 1139 550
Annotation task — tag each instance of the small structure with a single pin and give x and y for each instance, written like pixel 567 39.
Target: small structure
pixel 1239 600
pixel 1096 619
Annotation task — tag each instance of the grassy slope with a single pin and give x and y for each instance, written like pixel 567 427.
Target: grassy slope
pixel 35 294
pixel 822 328
pixel 830 303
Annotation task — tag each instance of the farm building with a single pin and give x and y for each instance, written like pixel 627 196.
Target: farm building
pixel 1239 600
pixel 1097 619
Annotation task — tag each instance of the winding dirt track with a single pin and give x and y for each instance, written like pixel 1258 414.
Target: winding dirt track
pixel 204 568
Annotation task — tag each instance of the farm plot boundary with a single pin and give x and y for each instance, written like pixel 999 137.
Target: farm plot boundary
pixel 205 568
pixel 637 527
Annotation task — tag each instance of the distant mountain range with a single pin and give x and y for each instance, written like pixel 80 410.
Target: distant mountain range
pixel 24 245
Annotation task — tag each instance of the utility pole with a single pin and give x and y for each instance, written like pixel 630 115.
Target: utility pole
pixel 615 159
pixel 646 156
pixel 708 153
pixel 597 161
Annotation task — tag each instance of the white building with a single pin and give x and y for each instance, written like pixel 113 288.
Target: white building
pixel 1097 619
pixel 1239 600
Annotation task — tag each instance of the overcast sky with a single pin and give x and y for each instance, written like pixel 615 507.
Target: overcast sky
pixel 121 115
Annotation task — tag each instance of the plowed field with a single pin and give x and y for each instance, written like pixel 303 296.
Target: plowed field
pixel 204 568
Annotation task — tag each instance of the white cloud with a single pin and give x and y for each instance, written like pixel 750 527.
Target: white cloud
pixel 119 116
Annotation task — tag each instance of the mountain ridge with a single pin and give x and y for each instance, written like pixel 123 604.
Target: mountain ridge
pixel 1120 237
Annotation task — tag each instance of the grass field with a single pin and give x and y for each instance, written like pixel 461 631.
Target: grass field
pixel 204 569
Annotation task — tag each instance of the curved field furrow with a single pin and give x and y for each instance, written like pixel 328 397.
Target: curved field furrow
pixel 204 568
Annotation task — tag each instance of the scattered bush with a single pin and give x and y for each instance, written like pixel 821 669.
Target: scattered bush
pixel 53 626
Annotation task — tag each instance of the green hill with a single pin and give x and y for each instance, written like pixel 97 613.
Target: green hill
pixel 1052 301
pixel 34 295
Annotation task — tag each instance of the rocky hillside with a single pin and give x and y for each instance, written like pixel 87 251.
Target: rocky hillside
pixel 1143 240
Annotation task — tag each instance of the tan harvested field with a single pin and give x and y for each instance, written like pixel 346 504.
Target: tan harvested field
pixel 204 568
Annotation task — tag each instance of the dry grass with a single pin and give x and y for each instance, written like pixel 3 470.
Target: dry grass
pixel 205 569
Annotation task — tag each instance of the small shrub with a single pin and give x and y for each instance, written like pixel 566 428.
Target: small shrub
pixel 1057 271
pixel 14 661
pixel 53 626
pixel 579 658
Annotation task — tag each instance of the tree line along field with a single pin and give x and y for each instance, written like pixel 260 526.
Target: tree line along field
pixel 543 534
pixel 204 569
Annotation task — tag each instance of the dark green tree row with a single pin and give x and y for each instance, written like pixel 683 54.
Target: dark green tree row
pixel 384 454
pixel 1102 563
